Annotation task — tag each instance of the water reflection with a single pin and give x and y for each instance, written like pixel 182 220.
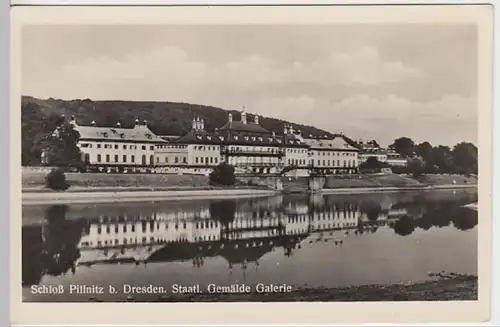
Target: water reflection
pixel 239 231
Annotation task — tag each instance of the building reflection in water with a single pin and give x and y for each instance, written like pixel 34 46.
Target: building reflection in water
pixel 240 231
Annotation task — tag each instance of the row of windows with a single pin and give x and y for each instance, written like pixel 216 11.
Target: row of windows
pixel 144 226
pixel 212 160
pixel 206 148
pixel 297 162
pixel 297 150
pixel 253 148
pixel 116 146
pixel 116 158
pixel 176 160
pixel 172 146
pixel 328 163
pixel 332 153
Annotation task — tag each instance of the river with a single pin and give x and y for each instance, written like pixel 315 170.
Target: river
pixel 301 241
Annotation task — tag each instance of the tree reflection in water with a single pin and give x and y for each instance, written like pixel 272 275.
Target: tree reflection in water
pixel 223 211
pixel 53 248
pixel 437 215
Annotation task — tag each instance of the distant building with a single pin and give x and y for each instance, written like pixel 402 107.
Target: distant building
pixel 333 155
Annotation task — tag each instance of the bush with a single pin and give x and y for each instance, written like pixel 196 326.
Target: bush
pixel 56 180
pixel 223 174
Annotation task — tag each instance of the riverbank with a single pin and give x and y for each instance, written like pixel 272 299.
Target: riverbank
pixel 361 190
pixel 38 198
pixel 110 188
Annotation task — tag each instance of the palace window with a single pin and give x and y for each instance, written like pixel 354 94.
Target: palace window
pixel 124 158
pixel 116 146
pixel 132 158
pixel 176 160
pixel 184 160
pixel 124 147
pixel 152 147
pixel 98 158
pixel 116 158
pixel 98 146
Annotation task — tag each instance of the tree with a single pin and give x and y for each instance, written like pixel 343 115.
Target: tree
pixel 373 163
pixel 441 157
pixel 424 150
pixel 56 180
pixel 404 146
pixel 61 148
pixel 223 174
pixel 464 156
pixel 416 166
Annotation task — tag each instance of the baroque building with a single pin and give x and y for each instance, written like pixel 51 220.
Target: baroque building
pixel 244 144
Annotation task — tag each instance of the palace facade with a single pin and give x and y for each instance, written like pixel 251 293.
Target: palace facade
pixel 244 144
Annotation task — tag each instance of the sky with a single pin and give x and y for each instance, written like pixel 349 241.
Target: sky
pixel 367 81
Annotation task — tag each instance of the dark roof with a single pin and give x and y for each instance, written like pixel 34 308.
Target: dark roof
pixel 293 140
pixel 240 127
pixel 201 137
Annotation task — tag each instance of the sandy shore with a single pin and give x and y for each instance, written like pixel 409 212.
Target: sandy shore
pixel 360 190
pixel 37 198
pixel 109 195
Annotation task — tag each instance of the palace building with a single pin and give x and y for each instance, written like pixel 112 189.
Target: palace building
pixel 126 148
pixel 244 144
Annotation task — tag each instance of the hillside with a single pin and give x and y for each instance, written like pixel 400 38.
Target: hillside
pixel 164 118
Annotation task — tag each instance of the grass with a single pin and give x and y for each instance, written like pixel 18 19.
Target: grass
pixel 36 179
pixel 393 180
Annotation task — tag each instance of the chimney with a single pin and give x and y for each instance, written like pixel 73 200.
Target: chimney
pixel 145 123
pixel 274 134
pixel 198 123
pixel 230 117
pixel 244 116
pixel 193 123
pixel 291 129
pixel 202 124
pixel 285 130
pixel 136 122
pixel 73 120
pixel 118 124
pixel 92 123
pixel 256 119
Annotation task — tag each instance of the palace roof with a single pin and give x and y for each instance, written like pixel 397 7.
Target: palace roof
pixel 337 143
pixel 235 126
pixel 140 133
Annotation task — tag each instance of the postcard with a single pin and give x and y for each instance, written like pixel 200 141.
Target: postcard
pixel 251 165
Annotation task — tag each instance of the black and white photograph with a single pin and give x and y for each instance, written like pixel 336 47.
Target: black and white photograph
pixel 250 162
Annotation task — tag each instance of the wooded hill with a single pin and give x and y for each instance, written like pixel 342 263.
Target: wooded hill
pixel 164 118
pixel 40 117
